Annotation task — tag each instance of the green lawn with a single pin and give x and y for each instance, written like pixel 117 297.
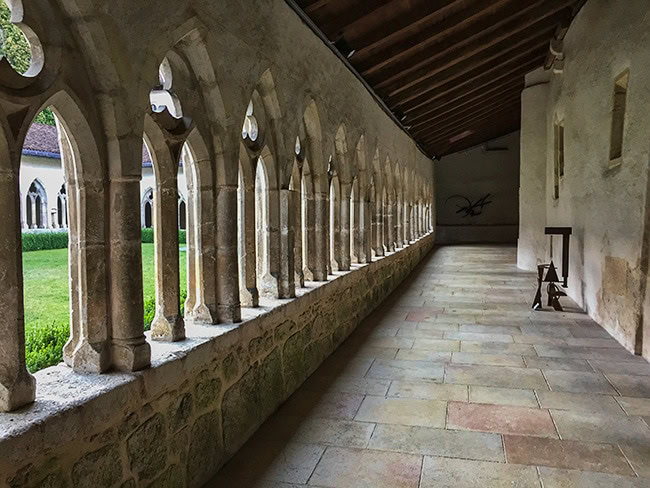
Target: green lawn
pixel 46 284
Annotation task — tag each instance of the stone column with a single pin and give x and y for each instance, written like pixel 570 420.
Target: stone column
pixel 357 254
pixel 309 265
pixel 399 229
pixel 365 226
pixel 407 223
pixel 167 325
pixel 531 248
pixel 344 233
pixel 248 294
pixel 190 240
pixel 296 224
pixel 34 219
pixel 17 386
pixel 390 228
pixel 205 307
pixel 379 228
pixel 287 283
pixel 227 260
pixel 321 244
pixel 130 350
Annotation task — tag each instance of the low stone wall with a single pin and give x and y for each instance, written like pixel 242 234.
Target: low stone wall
pixel 177 423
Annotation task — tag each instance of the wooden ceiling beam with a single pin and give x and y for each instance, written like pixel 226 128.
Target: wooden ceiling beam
pixel 468 113
pixel 374 58
pixel 445 110
pixel 517 27
pixel 335 24
pixel 424 13
pixel 507 117
pixel 478 138
pixel 491 108
pixel 481 86
pixel 480 76
pixel 497 58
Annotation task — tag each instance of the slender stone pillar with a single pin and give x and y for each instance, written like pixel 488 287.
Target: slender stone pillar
pixel 390 228
pixel 321 227
pixel 287 283
pixel 407 223
pixel 344 232
pixel 379 228
pixel 399 232
pixel 309 264
pixel 296 225
pixel 366 232
pixel 248 294
pixel 190 240
pixel 17 386
pixel 167 325
pixel 357 254
pixel 130 350
pixel 205 307
pixel 227 260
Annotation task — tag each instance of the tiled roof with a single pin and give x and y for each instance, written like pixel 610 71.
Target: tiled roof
pixel 42 140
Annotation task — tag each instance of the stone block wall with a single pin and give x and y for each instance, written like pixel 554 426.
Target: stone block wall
pixel 177 423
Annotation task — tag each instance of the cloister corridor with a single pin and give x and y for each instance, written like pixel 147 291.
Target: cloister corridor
pixel 455 382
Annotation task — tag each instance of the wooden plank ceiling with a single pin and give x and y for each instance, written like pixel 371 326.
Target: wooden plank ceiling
pixel 451 70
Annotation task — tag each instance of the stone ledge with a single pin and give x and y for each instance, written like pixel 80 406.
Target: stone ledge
pixel 277 345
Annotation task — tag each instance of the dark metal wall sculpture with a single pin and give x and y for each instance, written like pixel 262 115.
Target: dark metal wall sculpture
pixel 469 208
pixel 553 291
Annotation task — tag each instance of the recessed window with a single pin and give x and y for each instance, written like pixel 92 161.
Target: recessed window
pixel 558 157
pixel 618 116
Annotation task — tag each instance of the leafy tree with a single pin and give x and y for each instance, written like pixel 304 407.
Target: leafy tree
pixel 16 49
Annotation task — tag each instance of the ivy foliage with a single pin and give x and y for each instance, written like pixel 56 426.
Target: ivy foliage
pixel 14 47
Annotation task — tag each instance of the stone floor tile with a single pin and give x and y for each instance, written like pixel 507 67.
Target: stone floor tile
pixel 589 331
pixel 333 405
pixel 503 396
pixel 438 345
pixel 353 468
pixel 389 342
pixel 591 342
pixel 423 355
pixel 528 339
pixel 537 451
pixel 406 370
pixel 490 329
pixel 487 359
pixel 612 429
pixel 553 331
pixel 402 411
pixel 498 348
pixel 285 462
pixel 428 391
pixel 621 367
pixel 470 336
pixel 440 326
pixel 363 351
pixel 345 384
pixel 565 478
pixel 559 364
pixel 578 382
pixel 439 472
pixel 350 366
pixel 420 333
pixel 639 458
pixel 501 419
pixel 501 376
pixel 330 432
pixel 635 406
pixel 579 402
pixel 631 385
pixel 582 352
pixel 480 446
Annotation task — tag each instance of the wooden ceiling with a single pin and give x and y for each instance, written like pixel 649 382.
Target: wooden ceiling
pixel 451 70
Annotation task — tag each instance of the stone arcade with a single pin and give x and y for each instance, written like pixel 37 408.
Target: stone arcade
pixel 315 152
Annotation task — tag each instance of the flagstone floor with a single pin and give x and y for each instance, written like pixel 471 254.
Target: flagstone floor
pixel 455 382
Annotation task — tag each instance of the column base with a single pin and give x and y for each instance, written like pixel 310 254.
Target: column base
pixel 89 358
pixel 131 354
pixel 229 314
pixel 202 315
pixel 169 329
pixel 17 392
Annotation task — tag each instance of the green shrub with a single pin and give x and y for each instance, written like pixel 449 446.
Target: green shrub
pixel 182 237
pixel 44 345
pixel 41 241
pixel 147 236
pixel 150 309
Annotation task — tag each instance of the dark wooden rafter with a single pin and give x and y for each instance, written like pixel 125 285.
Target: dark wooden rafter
pixel 452 70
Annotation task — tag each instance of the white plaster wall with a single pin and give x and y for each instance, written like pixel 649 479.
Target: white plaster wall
pixel 473 174
pixel 605 206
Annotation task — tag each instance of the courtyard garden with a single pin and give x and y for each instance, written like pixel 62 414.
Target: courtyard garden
pixel 47 309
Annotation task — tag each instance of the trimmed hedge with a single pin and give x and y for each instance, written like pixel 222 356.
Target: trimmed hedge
pixel 44 345
pixel 43 241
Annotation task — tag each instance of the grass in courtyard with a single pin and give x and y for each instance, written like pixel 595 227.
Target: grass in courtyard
pixel 47 309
